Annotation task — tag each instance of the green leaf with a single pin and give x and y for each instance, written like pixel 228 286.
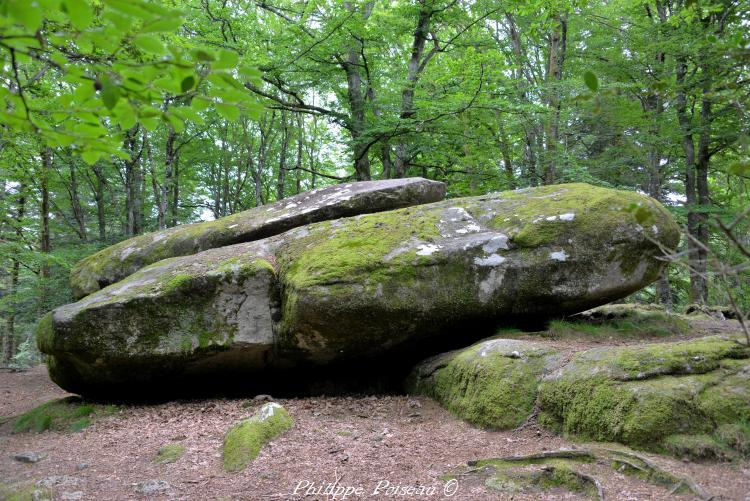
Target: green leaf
pixel 150 44
pixel 28 15
pixel 200 103
pixel 254 109
pixel 227 60
pixel 188 113
pixel 202 55
pixel 187 83
pixel 110 94
pixel 125 115
pixel 177 124
pixel 228 111
pixel 166 24
pixel 80 13
pixel 150 123
pixel 91 157
pixel 168 85
pixel 84 91
pixel 591 81
pixel 127 7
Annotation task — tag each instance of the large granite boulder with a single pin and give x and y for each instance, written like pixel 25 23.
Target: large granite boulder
pixel 362 286
pixel 492 384
pixel 125 258
pixel 686 397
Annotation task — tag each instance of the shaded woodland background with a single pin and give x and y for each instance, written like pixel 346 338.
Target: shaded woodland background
pixel 121 118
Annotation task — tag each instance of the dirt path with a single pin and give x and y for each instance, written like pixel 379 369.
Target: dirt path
pixel 362 441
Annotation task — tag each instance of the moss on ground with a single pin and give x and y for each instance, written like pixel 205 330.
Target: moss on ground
pixel 66 414
pixel 697 447
pixel 169 453
pixel 25 492
pixel 243 442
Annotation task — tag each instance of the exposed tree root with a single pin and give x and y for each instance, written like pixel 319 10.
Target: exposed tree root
pixel 562 469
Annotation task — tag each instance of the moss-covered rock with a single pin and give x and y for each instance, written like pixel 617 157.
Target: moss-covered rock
pixel 244 440
pixel 125 258
pixel 179 316
pixel 491 384
pixel 643 395
pixel 361 286
pixel 407 274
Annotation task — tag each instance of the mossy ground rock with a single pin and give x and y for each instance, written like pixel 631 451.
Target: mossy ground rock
pixel 670 397
pixel 362 286
pixel 119 261
pixel 243 441
pixel 492 384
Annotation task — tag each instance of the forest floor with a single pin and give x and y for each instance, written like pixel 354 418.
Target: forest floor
pixel 358 440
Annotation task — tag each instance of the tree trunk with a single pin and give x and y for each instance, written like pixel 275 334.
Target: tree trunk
pixel 168 188
pixel 417 64
pixel 44 237
pixel 698 286
pixel 133 185
pixel 75 202
pixel 156 188
pixel 281 177
pixel 10 345
pixel 101 220
pixel 557 49
pixel 505 152
pixel 300 145
pixel 357 127
pixel 701 181
pixel 653 105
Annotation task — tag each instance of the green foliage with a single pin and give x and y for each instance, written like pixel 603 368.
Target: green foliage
pixel 104 69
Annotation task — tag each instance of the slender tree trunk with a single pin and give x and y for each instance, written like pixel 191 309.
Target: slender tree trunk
pixel 701 181
pixel 417 63
pixel 101 220
pixel 10 345
pixel 156 188
pixel 523 72
pixel 352 65
pixel 698 285
pixel 175 198
pixel 654 107
pixel 505 152
pixel 281 177
pixel 75 202
pixel 300 148
pixel 167 195
pixel 133 182
pixel 44 237
pixel 557 49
